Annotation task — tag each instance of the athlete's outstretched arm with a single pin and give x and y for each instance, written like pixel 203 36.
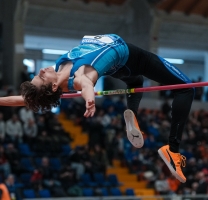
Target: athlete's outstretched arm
pixel 12 101
pixel 87 89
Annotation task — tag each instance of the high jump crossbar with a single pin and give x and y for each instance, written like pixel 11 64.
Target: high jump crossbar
pixel 135 90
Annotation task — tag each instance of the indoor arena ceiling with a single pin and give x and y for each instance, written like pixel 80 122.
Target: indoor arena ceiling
pixel 182 24
pixel 72 18
pixel 188 7
pixel 107 2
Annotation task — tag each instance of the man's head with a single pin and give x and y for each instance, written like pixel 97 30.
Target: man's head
pixel 43 92
pixel 10 180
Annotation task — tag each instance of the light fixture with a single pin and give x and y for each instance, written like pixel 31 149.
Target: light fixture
pixel 54 51
pixel 175 61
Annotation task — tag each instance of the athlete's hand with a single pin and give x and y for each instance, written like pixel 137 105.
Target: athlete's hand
pixel 90 108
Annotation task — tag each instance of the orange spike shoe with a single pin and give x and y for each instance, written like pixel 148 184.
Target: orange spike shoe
pixel 134 133
pixel 174 161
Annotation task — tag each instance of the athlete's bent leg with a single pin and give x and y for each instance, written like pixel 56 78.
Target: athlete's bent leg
pixel 134 133
pixel 163 72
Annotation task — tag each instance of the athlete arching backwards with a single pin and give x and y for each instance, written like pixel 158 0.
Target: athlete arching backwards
pixel 109 54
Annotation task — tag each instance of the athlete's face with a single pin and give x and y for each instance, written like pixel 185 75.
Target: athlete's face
pixel 45 76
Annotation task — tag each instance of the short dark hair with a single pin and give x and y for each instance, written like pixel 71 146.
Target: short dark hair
pixel 41 98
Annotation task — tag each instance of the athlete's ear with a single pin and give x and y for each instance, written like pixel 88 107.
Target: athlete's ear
pixel 54 87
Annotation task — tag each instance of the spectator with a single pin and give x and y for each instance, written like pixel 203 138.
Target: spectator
pixel 107 102
pixel 153 128
pixel 4 164
pixel 87 160
pixel 173 184
pixel 24 75
pixel 8 111
pixel 49 178
pixel 2 128
pixel 14 129
pixel 103 118
pixel 13 157
pixel 203 184
pixel 150 142
pixel 26 114
pixel 115 148
pixel 164 130
pixel 194 187
pixel 133 162
pixel 41 123
pixel 162 185
pixel 67 177
pixel 166 108
pixel 99 159
pixel 112 128
pixel 192 167
pixel 13 188
pixel 44 144
pixel 120 105
pixel 93 130
pixel 80 160
pixel 76 159
pixel 56 129
pixel 111 111
pixel 30 130
pixel 48 174
pixel 36 179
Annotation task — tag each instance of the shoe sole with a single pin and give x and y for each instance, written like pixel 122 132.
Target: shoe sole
pixel 133 134
pixel 170 167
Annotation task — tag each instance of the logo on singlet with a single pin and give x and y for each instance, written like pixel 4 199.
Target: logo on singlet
pixel 98 39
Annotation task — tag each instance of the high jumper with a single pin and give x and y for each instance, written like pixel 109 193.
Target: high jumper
pixel 109 54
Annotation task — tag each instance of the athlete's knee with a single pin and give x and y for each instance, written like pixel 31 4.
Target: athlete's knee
pixel 191 92
pixel 136 81
pixel 188 92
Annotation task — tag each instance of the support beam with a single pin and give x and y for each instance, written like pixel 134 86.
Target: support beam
pixel 19 51
pixel 14 14
pixel 8 9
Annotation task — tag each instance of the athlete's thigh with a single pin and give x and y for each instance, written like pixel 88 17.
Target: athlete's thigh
pixel 161 71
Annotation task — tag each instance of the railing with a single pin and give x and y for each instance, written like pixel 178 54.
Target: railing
pixel 156 197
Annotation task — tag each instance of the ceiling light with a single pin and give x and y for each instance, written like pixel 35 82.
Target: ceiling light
pixel 175 61
pixel 54 51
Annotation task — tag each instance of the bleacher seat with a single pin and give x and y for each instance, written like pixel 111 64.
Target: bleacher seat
pixel 87 192
pixel 104 192
pixel 44 193
pixel 129 192
pixel 38 161
pixel 29 193
pixel 115 192
pixel 66 149
pixel 24 150
pixel 100 180
pixel 112 178
pixel 25 178
pixel 55 163
pixel 127 145
pixel 27 164
pixel 85 180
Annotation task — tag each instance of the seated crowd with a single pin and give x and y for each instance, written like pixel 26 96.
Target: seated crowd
pixel 107 128
pixel 36 157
